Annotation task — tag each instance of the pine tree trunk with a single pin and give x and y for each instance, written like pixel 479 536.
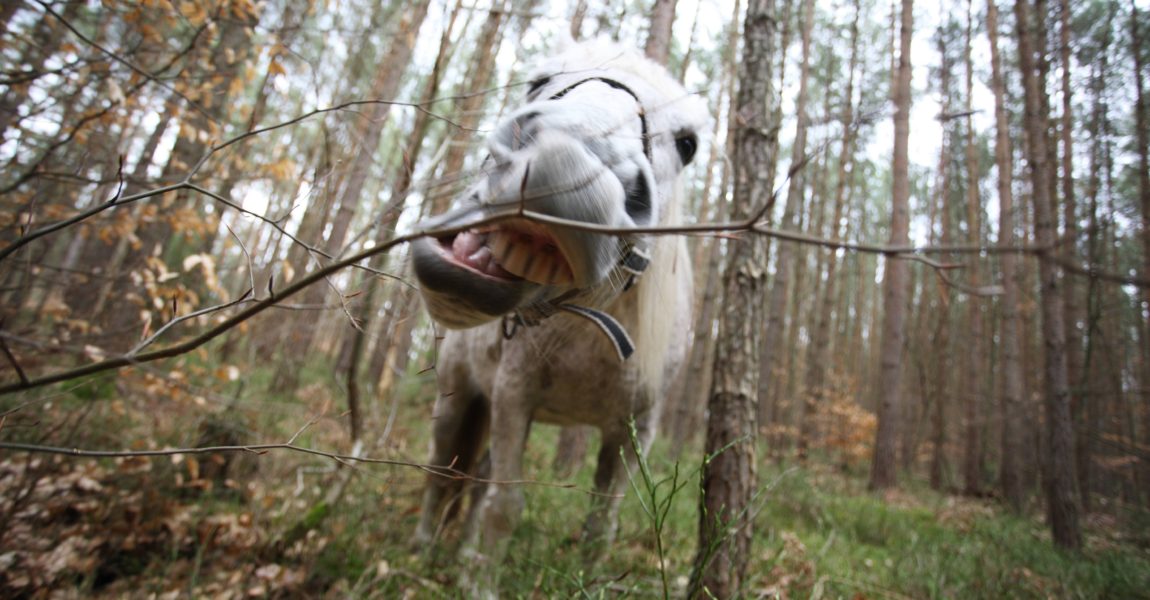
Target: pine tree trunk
pixel 771 374
pixel 1010 477
pixel 976 348
pixel 725 515
pixel 884 470
pixel 470 106
pixel 815 396
pixel 1142 128
pixel 1071 292
pixel 384 87
pixel 658 47
pixel 1062 499
pixel 687 409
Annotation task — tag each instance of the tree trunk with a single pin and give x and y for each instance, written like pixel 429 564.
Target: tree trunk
pixel 815 395
pixel 686 410
pixel 1142 128
pixel 658 46
pixel 884 472
pixel 577 20
pixel 1071 292
pixel 384 87
pixel 770 374
pixel 1010 477
pixel 976 349
pixel 1062 499
pixel 470 106
pixel 725 515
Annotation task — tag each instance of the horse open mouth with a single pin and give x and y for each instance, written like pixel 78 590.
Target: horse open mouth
pixel 518 250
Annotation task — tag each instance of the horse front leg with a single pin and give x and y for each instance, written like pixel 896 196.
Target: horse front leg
pixel 502 505
pixel 458 434
pixel 610 482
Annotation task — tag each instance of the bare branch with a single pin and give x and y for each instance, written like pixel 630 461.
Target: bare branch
pixel 127 63
pixel 258 306
pixel 176 321
pixel 12 359
pixel 449 472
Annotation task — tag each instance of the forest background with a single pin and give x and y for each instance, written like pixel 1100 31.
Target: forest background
pixel 176 171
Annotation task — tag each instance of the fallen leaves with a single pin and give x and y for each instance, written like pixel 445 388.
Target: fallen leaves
pixel 100 526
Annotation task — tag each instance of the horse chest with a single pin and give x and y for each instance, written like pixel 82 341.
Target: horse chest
pixel 562 371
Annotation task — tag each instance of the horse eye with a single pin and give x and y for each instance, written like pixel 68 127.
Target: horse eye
pixel 534 86
pixel 686 145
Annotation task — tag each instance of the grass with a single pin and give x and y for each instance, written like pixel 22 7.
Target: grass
pixel 818 532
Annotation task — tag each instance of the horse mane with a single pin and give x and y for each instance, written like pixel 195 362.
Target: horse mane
pixel 665 298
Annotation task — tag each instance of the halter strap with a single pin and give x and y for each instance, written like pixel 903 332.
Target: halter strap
pixel 619 86
pixel 635 260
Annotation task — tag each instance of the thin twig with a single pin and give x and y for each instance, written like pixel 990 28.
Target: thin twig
pixel 449 472
pixel 12 359
pixel 192 315
pixel 127 63
pixel 259 306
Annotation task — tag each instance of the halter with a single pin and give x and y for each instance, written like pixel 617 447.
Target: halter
pixel 646 139
pixel 634 261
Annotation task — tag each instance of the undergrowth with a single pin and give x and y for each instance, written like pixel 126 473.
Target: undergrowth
pixel 197 532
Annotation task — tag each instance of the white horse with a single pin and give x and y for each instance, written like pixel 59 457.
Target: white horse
pixel 544 316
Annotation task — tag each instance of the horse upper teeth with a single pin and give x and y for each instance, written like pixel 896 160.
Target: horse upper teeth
pixel 522 256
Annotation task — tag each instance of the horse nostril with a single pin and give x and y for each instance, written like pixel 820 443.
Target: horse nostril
pixel 638 203
pixel 523 130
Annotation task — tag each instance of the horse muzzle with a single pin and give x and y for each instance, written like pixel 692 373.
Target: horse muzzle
pixel 494 258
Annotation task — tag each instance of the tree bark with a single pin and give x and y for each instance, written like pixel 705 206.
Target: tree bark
pixel 1142 128
pixel 470 106
pixel 1062 499
pixel 1072 290
pixel 770 374
pixel 725 518
pixel 658 47
pixel 815 394
pixel 1010 477
pixel 686 410
pixel 976 350
pixel 884 472
pixel 385 86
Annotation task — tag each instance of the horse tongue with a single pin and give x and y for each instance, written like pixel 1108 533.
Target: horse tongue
pixel 468 249
pixel 465 244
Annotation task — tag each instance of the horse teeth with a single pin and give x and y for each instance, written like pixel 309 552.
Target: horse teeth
pixel 540 269
pixel 523 257
pixel 499 242
pixel 515 259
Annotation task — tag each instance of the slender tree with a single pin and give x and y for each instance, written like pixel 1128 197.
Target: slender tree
pixel 725 523
pixel 883 469
pixel 816 375
pixel 1142 140
pixel 771 375
pixel 1010 400
pixel 658 47
pixel 1062 498
pixel 976 348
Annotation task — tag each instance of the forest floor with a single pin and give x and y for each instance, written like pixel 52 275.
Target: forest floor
pixel 288 524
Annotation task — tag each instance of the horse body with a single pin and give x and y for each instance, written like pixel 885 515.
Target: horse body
pixel 602 139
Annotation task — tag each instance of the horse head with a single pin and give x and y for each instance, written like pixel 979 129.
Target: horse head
pixel 599 142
